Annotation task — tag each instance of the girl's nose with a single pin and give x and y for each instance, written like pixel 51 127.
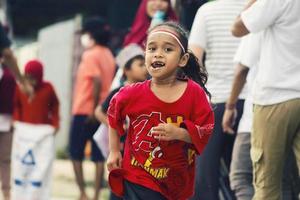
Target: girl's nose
pixel 158 54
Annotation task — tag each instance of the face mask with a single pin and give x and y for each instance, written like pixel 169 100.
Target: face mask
pixel 85 41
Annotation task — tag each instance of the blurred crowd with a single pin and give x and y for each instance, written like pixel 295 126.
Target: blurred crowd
pixel 251 51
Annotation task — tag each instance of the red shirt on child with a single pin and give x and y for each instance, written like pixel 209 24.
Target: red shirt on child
pixel 164 166
pixel 42 109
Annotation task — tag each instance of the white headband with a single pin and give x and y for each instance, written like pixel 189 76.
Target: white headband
pixel 172 35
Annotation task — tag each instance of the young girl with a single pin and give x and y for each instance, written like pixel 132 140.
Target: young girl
pixel 170 121
pixel 142 21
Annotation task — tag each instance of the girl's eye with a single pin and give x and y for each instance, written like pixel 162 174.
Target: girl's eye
pixel 168 49
pixel 151 48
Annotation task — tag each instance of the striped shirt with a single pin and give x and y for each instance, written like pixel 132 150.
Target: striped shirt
pixel 211 31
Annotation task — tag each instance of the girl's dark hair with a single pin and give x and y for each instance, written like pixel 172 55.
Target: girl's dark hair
pixel 128 64
pixel 193 69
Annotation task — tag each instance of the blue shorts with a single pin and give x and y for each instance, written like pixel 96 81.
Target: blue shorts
pixel 81 132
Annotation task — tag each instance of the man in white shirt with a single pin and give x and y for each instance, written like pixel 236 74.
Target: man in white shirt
pixel 241 176
pixel 276 91
pixel 211 34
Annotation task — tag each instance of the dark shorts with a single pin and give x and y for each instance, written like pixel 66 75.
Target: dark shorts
pixel 137 192
pixel 81 133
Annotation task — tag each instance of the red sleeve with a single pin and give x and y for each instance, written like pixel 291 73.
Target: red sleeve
pixel 17 105
pixel 116 111
pixel 201 125
pixel 54 108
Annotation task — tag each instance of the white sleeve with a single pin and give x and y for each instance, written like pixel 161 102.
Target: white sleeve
pixel 198 31
pixel 1 72
pixel 262 14
pixel 248 52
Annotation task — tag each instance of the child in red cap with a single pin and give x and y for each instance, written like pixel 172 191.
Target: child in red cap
pixel 43 107
pixel 36 121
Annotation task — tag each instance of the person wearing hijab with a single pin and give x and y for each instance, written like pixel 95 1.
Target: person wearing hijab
pixel 146 12
pixel 43 106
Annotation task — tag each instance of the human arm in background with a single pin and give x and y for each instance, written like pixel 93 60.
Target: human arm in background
pixel 10 61
pixel 198 52
pixel 17 105
pixel 198 35
pixel 239 29
pixel 101 110
pixel 54 110
pixel 238 84
pixel 96 92
pixel 100 115
pixel 260 15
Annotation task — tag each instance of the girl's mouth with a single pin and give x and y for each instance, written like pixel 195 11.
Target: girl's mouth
pixel 157 64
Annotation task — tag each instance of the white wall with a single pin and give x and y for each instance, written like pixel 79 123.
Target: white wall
pixel 26 53
pixel 56 52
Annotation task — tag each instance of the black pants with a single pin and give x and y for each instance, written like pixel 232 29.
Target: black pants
pixel 209 178
pixel 137 192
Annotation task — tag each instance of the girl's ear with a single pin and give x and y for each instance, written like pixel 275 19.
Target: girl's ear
pixel 184 60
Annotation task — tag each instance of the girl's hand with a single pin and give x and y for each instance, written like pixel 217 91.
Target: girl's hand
pixel 168 132
pixel 114 160
pixel 165 132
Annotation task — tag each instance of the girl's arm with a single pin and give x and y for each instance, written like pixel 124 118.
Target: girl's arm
pixel 197 130
pixel 114 159
pixel 169 132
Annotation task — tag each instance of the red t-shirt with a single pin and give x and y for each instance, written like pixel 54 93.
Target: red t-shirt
pixel 42 109
pixel 166 167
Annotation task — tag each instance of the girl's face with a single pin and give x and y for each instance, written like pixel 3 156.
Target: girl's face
pixel 137 71
pixel 155 5
pixel 163 55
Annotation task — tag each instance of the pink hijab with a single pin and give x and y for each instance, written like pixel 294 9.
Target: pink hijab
pixel 138 32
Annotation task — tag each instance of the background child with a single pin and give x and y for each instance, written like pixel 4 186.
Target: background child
pixel 132 62
pixel 170 121
pixel 43 106
pixel 93 81
pixel 36 121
